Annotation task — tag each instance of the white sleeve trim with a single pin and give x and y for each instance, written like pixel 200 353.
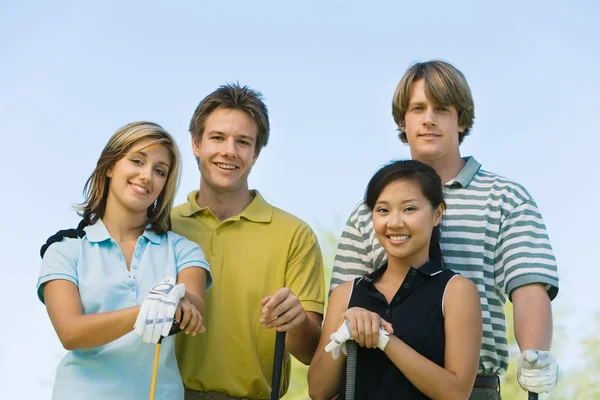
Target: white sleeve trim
pixel 444 296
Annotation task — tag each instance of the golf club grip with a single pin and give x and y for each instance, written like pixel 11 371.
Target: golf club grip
pixel 350 369
pixel 277 364
pixel 175 329
pixel 533 396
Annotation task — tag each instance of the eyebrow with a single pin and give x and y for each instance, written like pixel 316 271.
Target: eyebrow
pixel 146 155
pixel 403 202
pixel 245 137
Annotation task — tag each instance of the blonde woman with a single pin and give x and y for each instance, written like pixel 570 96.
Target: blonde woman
pixel 126 269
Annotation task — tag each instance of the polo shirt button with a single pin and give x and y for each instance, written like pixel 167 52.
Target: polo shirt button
pixel 414 272
pixel 132 289
pixel 406 285
pixel 387 312
pixel 398 298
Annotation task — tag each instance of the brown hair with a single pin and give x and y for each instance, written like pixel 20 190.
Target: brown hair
pixel 445 85
pixel 96 187
pixel 236 97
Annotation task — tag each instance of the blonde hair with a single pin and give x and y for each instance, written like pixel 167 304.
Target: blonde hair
pixel 95 190
pixel 445 85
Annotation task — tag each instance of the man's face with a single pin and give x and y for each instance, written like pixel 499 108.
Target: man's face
pixel 226 151
pixel 431 129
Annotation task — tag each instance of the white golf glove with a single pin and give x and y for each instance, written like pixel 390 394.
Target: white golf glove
pixel 158 310
pixel 343 334
pixel 338 340
pixel 537 371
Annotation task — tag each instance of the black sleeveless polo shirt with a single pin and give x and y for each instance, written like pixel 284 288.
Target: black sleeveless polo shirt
pixel 417 318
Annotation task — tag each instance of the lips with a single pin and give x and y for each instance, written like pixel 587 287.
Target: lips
pixel 141 190
pixel 227 167
pixel 398 238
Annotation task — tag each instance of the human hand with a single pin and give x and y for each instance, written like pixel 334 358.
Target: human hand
pixel 156 313
pixel 282 311
pixel 189 318
pixel 367 328
pixel 338 340
pixel 537 371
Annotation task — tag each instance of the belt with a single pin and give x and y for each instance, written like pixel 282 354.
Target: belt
pixel 210 395
pixel 486 382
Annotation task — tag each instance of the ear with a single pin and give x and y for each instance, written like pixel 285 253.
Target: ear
pixel 109 173
pixel 438 213
pixel 196 147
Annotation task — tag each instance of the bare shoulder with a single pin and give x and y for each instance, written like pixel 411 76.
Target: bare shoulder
pixel 342 292
pixel 459 283
pixel 460 290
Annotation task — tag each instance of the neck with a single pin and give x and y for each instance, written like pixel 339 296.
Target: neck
pixel 398 267
pixel 122 224
pixel 223 205
pixel 447 167
pixel 396 270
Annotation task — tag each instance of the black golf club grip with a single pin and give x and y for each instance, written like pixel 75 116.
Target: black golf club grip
pixel 277 364
pixel 174 330
pixel 533 396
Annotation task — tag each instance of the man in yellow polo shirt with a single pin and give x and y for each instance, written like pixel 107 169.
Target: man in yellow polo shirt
pixel 266 264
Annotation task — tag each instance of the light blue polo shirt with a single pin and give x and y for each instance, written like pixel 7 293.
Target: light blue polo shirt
pixel 121 369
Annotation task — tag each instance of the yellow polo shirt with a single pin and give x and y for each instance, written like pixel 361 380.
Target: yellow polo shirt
pixel 251 255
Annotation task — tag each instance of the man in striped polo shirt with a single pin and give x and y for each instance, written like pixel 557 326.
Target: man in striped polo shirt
pixel 492 232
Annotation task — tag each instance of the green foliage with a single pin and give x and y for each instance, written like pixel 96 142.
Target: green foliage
pixel 298 389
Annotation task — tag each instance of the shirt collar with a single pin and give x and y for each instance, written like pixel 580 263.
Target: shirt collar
pixel 467 173
pixel 430 268
pixel 257 211
pixel 98 233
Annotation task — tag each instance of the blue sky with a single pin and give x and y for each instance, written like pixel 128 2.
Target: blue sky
pixel 72 73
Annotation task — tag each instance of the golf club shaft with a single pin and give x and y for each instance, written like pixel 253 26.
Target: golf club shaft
pixel 155 370
pixel 277 364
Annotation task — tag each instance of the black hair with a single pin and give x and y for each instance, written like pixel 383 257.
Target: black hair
pixel 421 174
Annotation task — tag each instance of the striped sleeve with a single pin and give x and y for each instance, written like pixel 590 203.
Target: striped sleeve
pixel 358 252
pixel 523 252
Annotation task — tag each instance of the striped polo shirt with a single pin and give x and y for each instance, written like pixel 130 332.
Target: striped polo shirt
pixel 492 233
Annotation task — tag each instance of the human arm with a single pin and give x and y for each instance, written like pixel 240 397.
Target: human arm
pixel 537 370
pixel 297 308
pixel 58 289
pixel 325 373
pixel 358 252
pixel 76 330
pixel 194 272
pixel 526 269
pixel 532 314
pixel 191 308
pixel 284 312
pixel 463 331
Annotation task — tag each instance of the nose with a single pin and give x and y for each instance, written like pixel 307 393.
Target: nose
pixel 146 173
pixel 429 117
pixel 396 220
pixel 229 148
